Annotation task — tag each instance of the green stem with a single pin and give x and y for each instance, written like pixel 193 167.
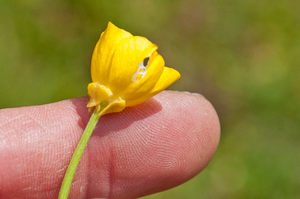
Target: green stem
pixel 66 184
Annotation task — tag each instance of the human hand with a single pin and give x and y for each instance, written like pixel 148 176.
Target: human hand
pixel 144 149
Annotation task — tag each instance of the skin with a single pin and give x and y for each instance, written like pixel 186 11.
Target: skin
pixel 144 149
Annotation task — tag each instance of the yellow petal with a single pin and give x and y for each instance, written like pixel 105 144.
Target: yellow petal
pixel 114 106
pixel 103 52
pixel 145 85
pixel 128 53
pixel 168 77
pixel 98 93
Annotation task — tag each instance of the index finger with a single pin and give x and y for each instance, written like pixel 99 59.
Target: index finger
pixel 142 150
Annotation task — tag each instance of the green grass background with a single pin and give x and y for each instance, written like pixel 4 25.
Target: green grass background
pixel 242 55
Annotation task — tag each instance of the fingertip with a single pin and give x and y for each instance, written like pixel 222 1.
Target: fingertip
pixel 154 146
pixel 198 128
pixel 151 147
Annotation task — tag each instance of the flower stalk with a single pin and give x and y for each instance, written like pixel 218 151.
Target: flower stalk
pixel 67 182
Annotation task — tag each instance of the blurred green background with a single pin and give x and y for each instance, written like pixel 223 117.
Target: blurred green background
pixel 242 55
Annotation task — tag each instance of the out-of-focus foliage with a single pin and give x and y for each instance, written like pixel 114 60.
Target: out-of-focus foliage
pixel 243 56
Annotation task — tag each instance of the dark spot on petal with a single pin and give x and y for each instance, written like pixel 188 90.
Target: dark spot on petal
pixel 145 62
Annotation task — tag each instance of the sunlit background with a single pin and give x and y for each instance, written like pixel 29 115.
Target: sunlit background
pixel 242 55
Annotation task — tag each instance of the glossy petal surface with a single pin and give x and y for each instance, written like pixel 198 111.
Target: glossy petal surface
pixel 126 70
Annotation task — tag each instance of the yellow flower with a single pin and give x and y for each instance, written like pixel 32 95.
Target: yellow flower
pixel 126 70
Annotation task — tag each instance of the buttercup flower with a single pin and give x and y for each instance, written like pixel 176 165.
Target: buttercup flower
pixel 126 70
